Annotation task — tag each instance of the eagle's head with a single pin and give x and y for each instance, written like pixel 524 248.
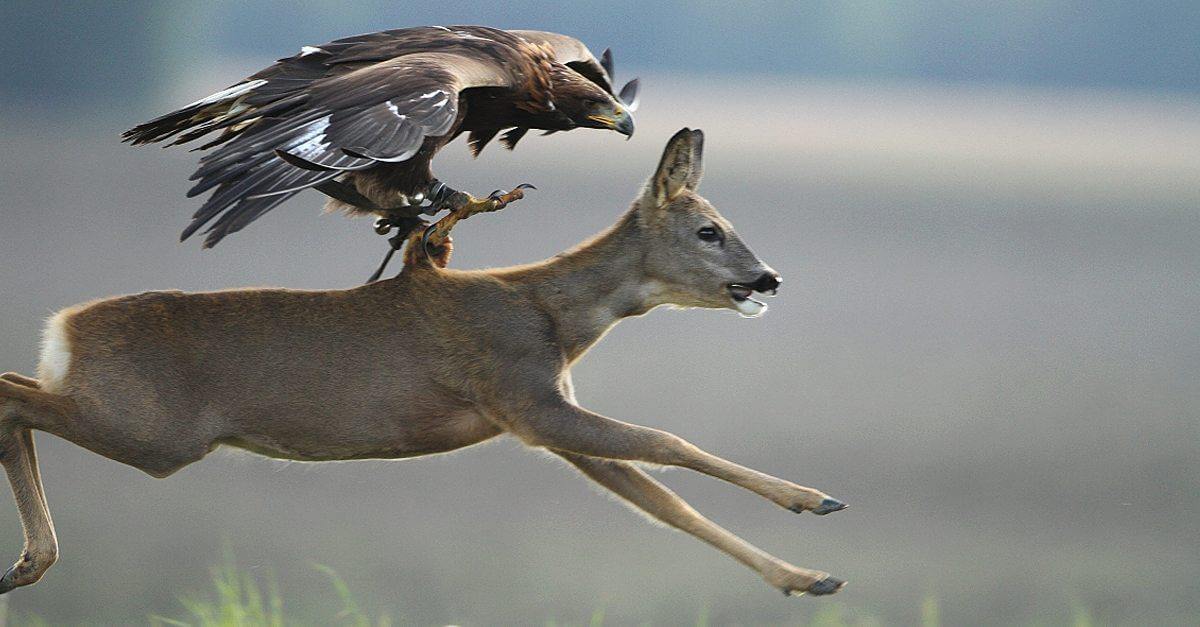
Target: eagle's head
pixel 579 102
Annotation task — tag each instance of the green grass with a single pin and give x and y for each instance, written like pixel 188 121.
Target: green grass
pixel 239 599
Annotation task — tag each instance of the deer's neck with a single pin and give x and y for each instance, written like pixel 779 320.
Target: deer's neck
pixel 591 287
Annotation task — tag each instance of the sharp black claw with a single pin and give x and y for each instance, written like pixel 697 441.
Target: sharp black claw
pixel 496 195
pixel 425 239
pixel 525 186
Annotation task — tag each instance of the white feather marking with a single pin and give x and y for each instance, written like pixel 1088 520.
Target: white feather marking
pixel 228 94
pixel 56 352
pixel 395 110
pixel 397 158
pixel 313 139
pixel 463 35
pixel 307 50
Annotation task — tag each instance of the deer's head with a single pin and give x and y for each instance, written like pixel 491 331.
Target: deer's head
pixel 691 252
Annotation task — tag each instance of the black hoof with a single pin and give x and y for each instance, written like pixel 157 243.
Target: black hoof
pixel 828 506
pixel 6 582
pixel 828 585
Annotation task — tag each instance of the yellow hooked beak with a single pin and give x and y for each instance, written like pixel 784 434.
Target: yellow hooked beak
pixel 620 121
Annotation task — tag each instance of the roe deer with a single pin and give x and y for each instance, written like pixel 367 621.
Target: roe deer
pixel 158 380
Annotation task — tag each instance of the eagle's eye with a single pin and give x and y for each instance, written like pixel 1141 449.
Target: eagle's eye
pixel 710 234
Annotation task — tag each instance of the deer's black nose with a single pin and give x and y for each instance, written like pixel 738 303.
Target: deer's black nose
pixel 768 282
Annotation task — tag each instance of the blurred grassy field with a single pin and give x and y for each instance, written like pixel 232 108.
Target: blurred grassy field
pixel 240 599
pixel 986 344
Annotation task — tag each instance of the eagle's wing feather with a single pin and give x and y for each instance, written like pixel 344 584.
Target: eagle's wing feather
pixel 377 113
pixel 345 105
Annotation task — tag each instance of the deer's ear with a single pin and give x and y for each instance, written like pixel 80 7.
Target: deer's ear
pixel 680 167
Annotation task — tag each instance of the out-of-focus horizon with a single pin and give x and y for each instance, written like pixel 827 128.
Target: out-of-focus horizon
pixel 136 50
pixel 986 217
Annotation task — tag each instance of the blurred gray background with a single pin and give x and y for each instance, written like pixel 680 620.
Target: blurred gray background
pixel 987 343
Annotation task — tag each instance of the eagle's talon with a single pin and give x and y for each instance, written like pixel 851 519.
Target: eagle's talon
pixel 461 206
pixel 502 199
pixel 425 239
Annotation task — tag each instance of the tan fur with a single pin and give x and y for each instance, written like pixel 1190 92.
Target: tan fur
pixel 430 361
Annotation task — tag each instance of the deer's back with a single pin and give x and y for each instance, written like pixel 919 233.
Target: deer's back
pixel 423 338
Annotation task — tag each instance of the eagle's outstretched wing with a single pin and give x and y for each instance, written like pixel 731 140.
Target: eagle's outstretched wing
pixel 343 106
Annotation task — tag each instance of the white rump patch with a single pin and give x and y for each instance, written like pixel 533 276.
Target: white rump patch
pixel 56 352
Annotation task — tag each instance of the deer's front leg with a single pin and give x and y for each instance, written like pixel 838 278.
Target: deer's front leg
pixel 567 427
pixel 635 486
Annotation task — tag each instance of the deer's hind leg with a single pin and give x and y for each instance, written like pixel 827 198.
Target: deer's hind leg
pixel 41 545
pixel 20 379
pixel 19 459
pixel 27 435
pixel 639 489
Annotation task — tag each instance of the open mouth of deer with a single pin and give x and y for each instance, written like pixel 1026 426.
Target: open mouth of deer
pixel 745 305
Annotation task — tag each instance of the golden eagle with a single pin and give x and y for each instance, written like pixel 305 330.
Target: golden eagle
pixel 361 118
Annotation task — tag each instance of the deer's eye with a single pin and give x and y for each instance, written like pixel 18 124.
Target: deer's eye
pixel 710 234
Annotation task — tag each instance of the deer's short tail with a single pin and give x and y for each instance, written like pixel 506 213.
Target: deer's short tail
pixel 56 352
